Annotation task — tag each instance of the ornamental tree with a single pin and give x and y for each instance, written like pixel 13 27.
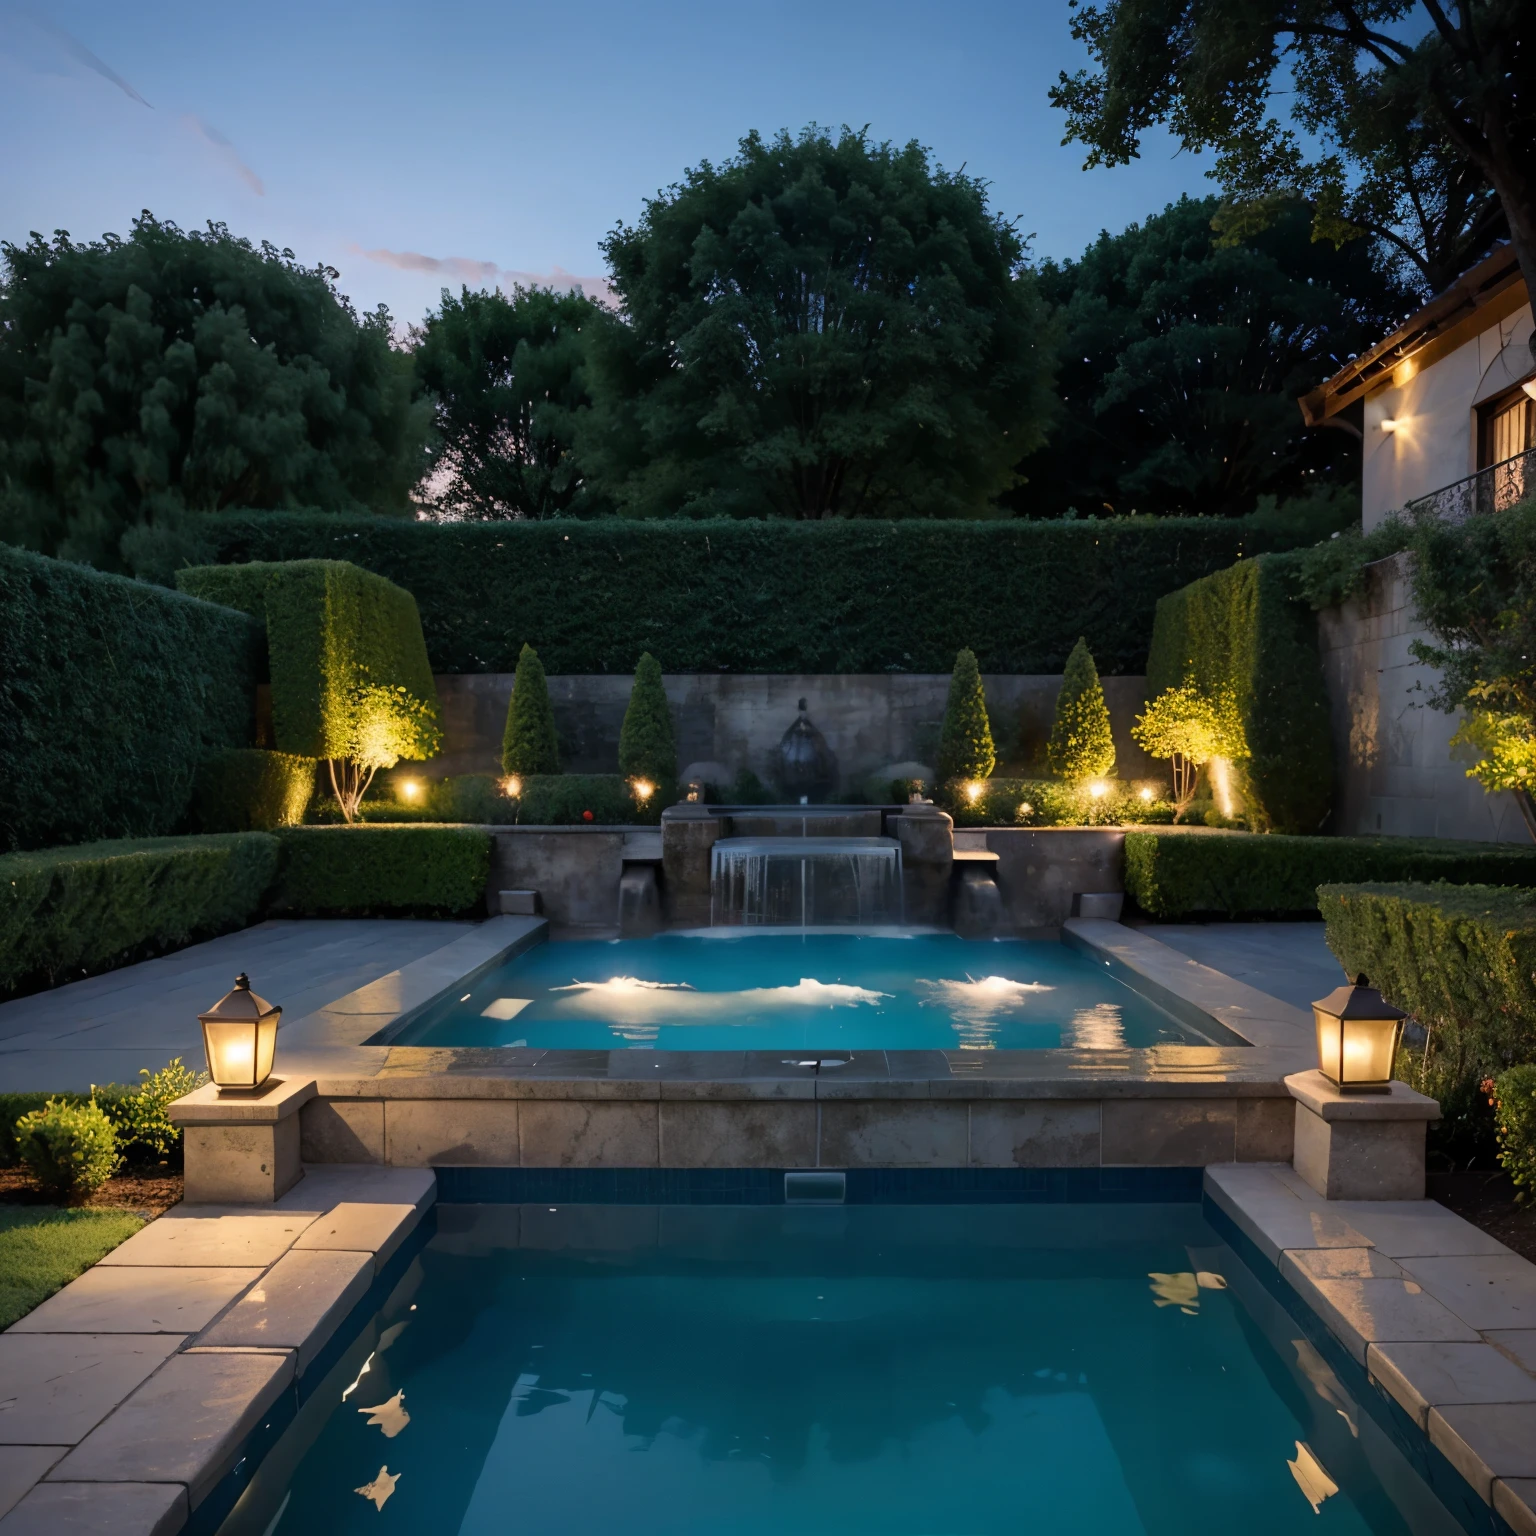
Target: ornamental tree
pixel 965 742
pixel 530 744
pixel 1081 745
pixel 1190 729
pixel 647 748
pixel 385 722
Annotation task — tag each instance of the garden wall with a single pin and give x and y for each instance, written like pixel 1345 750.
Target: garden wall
pixel 870 720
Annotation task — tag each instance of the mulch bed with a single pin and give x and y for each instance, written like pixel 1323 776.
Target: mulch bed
pixel 1487 1200
pixel 150 1191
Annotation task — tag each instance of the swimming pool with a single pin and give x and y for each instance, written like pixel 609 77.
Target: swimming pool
pixel 1070 1370
pixel 716 990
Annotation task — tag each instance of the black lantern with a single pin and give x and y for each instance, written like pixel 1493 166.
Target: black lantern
pixel 240 1037
pixel 1357 1038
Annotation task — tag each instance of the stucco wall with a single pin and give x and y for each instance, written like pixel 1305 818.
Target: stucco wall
pixel 870 720
pixel 1433 443
pixel 1394 770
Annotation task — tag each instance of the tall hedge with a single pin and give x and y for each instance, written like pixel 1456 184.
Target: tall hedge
pixel 1247 632
pixel 329 871
pixel 332 627
pixel 749 596
pixel 111 694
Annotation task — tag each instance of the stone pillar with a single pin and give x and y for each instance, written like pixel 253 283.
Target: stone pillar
pixel 688 833
pixel 927 838
pixel 242 1148
pixel 1360 1146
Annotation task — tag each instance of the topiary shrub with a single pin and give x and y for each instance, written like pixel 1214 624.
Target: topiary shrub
pixel 530 745
pixel 1512 1095
pixel 361 869
pixel 1081 745
pixel 250 790
pixel 647 748
pixel 965 742
pixel 69 1149
pixel 585 799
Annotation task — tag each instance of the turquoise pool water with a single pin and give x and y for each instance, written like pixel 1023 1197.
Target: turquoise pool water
pixel 1092 1370
pixel 816 991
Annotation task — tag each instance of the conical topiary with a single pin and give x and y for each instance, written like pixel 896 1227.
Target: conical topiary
pixel 530 744
pixel 965 746
pixel 647 749
pixel 1081 745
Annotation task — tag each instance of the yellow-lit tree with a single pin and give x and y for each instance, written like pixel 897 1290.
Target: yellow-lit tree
pixel 1190 728
pixel 386 722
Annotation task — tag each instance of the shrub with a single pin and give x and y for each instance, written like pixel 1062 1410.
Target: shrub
pixel 1051 803
pixel 111 694
pixel 647 749
pixel 1190 730
pixel 472 797
pixel 585 799
pixel 249 790
pixel 1514 1105
pixel 361 869
pixel 1245 634
pixel 67 911
pixel 69 1149
pixel 965 741
pixel 1081 744
pixel 145 1133
pixel 529 744
pixel 1234 874
pixel 743 596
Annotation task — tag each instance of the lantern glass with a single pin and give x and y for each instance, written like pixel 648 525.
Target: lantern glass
pixel 240 1051
pixel 1357 1039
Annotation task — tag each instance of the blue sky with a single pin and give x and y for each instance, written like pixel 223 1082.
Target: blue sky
pixel 505 139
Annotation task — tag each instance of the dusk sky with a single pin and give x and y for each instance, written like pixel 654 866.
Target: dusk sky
pixel 417 146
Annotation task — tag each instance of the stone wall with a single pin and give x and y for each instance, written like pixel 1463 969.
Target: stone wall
pixel 870 720
pixel 1394 769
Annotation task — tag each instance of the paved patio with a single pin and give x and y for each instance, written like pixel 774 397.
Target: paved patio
pixel 105 1028
pixel 1290 961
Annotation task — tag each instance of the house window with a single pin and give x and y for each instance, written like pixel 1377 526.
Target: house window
pixel 1509 428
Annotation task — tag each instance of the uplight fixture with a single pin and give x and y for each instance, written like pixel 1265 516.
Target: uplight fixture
pixel 643 789
pixel 1146 794
pixel 1098 789
pixel 1358 1033
pixel 410 790
pixel 240 1038
pixel 973 791
pixel 511 786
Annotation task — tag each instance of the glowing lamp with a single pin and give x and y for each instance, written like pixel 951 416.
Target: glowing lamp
pixel 410 790
pixel 1388 424
pixel 240 1038
pixel 1098 789
pixel 973 791
pixel 1357 1038
pixel 1146 794
pixel 1530 388
pixel 643 789
pixel 512 786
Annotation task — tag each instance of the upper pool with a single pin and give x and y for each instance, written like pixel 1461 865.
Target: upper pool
pixel 767 991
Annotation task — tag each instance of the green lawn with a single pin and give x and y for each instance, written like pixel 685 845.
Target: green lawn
pixel 43 1248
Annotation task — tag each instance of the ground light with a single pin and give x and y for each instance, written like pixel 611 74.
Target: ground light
pixel 643 788
pixel 1098 789
pixel 973 791
pixel 511 786
pixel 1357 1038
pixel 410 790
pixel 240 1038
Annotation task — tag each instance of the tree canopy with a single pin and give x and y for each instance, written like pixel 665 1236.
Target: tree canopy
pixel 823 326
pixel 1411 122
pixel 1181 360
pixel 507 375
pixel 146 378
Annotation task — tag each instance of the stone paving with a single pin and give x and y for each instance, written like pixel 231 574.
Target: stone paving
pixel 1290 961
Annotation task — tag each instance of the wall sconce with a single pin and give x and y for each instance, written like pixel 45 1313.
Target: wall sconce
pixel 1388 424
pixel 1357 1038
pixel 240 1038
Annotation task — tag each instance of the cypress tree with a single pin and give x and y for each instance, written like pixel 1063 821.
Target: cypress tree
pixel 530 744
pixel 647 749
pixel 965 745
pixel 1081 744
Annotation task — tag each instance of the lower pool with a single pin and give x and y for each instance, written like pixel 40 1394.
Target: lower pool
pixel 896 1369
pixel 771 991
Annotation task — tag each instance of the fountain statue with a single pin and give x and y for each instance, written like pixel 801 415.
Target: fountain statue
pixel 805 767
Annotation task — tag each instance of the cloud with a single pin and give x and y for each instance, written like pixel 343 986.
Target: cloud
pixel 466 269
pixel 83 55
pixel 226 151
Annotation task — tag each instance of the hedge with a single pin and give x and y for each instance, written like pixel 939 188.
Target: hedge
pixel 248 790
pixel 576 799
pixel 1236 874
pixel 111 694
pixel 1004 802
pixel 327 871
pixel 745 596
pixel 331 627
pixel 1247 631
pixel 66 911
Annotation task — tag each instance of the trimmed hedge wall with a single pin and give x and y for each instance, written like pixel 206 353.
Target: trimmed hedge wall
pixel 1246 630
pixel 746 596
pixel 111 694
pixel 331 627
pixel 362 869
pixel 72 910
pixel 1236 874
pixel 248 790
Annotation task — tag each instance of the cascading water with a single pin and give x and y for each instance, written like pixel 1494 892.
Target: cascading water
pixel 806 882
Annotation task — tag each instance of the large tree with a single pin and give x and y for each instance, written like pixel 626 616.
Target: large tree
pixel 1181 360
pixel 144 380
pixel 821 326
pixel 508 377
pixel 1408 120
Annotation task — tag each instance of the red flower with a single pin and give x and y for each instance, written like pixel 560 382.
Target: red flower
pixel 586 815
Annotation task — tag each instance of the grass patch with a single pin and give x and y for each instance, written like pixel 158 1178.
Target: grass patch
pixel 43 1249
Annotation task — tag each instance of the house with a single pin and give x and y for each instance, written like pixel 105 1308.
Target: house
pixel 1445 409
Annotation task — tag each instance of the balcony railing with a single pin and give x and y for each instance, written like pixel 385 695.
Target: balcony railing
pixel 1490 490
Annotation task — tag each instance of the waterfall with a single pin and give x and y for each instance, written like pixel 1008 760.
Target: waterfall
pixel 805 882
